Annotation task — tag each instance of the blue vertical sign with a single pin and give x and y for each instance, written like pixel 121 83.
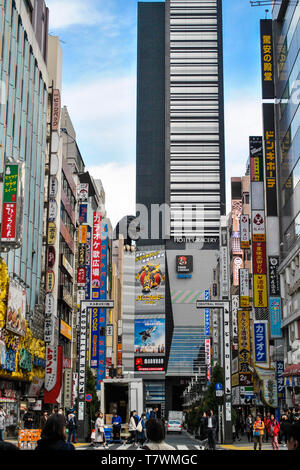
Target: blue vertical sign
pixel 275 317
pixel 260 342
pixel 102 296
pixel 207 320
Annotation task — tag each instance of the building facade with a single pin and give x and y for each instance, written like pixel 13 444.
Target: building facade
pixel 181 173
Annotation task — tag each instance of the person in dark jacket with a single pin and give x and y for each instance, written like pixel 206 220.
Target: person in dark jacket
pixel 53 436
pixel 211 430
pixel 153 413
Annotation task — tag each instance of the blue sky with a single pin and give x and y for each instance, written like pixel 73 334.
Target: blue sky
pixel 99 84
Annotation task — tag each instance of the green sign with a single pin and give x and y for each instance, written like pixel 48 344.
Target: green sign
pixel 10 186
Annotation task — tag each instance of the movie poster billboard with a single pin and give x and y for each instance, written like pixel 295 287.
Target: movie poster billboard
pixel 149 336
pixel 150 282
pixel 16 308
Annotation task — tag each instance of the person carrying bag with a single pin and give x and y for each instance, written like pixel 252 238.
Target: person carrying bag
pixel 258 432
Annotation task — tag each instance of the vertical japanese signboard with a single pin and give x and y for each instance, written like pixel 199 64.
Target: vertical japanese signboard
pixel 267 59
pixel 103 294
pixel 244 288
pixel 261 342
pixel 245 236
pixel 207 315
pixel 256 159
pixel 9 228
pixel 244 347
pixel 270 159
pixel 53 377
pixel 95 284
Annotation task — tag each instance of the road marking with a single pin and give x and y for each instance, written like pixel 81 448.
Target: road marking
pixel 124 447
pixel 182 448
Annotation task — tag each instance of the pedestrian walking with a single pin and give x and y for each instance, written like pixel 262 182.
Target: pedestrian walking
pixel 155 431
pixel 153 413
pixel 53 437
pixel 71 425
pixel 28 420
pixel 273 432
pixel 141 430
pixel 293 435
pixel 133 422
pixel 44 419
pixel 211 430
pixel 100 431
pixel 116 427
pixel 203 427
pixel 266 423
pixel 283 426
pixel 258 432
pixel 249 427
pixel 2 423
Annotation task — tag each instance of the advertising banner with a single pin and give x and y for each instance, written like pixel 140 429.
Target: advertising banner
pixel 260 291
pixel 244 288
pixel 280 380
pixel 256 159
pixel 53 374
pixel 102 296
pixel 270 160
pixel 274 278
pixel 149 336
pixel 245 236
pixel 261 342
pixel 16 308
pixel 83 192
pixel 258 226
pixel 95 285
pixel 267 59
pixel 82 234
pixel 149 364
pixel 236 266
pixel 184 265
pixel 259 258
pixel 207 315
pixel 101 361
pixel 150 282
pixel 244 347
pixel 275 317
pixel 269 386
pixel 9 218
pixel 83 211
pixel 235 307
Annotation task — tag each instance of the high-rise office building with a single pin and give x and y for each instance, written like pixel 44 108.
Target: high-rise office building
pixel 181 168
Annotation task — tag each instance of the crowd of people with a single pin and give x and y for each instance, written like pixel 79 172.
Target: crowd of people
pixel 144 431
pixel 266 428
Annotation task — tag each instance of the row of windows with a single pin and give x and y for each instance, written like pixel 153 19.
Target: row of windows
pixel 290 135
pixel 68 191
pixel 288 40
pixel 67 221
pixel 291 184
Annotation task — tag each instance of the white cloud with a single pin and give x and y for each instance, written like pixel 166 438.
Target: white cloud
pixel 243 118
pixel 119 186
pixel 66 13
pixel 103 114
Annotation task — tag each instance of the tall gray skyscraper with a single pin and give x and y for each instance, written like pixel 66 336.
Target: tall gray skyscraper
pixel 181 163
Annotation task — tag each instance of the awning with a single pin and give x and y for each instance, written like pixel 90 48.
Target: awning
pixel 294 369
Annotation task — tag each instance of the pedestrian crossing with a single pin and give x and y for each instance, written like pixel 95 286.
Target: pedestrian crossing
pixel 122 447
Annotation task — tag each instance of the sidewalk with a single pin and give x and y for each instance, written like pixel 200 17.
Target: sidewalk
pixel 243 444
